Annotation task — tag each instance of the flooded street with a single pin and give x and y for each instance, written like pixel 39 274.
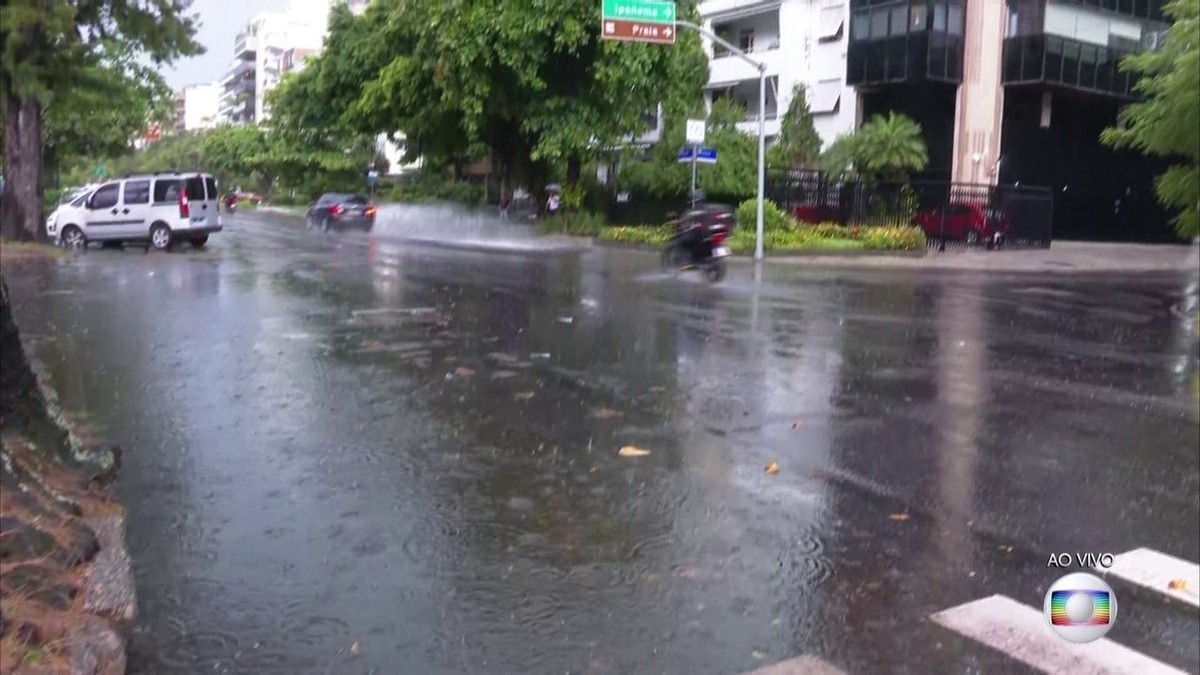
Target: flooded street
pixel 368 454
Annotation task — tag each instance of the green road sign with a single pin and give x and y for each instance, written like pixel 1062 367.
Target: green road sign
pixel 646 11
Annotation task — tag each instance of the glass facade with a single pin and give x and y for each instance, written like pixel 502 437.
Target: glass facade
pixel 905 41
pixel 1079 44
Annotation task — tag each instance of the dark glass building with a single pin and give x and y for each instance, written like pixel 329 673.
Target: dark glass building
pixel 1018 93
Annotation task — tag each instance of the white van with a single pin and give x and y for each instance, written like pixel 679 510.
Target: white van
pixel 162 208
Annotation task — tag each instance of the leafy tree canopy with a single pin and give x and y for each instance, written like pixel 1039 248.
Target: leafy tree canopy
pixel 888 148
pixel 735 175
pixel 1167 122
pixel 529 82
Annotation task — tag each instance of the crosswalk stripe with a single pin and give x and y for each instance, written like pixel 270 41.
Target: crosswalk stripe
pixel 801 665
pixel 1021 632
pixel 1160 572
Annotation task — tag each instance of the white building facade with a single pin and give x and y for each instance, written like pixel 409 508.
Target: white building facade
pixel 802 42
pixel 258 56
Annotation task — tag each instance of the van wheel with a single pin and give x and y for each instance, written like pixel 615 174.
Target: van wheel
pixel 73 237
pixel 160 237
pixel 199 240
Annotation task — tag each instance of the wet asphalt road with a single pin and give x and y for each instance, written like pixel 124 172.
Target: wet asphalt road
pixel 349 454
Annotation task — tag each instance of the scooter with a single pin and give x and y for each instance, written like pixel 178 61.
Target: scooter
pixel 700 242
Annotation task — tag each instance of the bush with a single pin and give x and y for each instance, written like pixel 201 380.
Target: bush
pixel 901 238
pixel 773 217
pixel 580 223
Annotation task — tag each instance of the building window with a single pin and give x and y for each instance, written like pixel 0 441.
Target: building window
pixel 954 18
pixel 899 19
pixel 939 17
pixel 918 17
pixel 746 40
pixel 879 23
pixel 860 25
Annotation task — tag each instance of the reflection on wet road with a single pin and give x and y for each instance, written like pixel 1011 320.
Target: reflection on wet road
pixel 354 454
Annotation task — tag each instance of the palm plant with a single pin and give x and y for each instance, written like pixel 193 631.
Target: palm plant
pixel 890 148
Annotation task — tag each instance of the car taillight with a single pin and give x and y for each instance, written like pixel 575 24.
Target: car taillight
pixel 370 210
pixel 719 237
pixel 337 209
pixel 185 210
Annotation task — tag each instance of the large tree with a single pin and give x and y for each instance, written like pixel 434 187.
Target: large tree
pixel 1167 121
pixel 529 83
pixel 53 46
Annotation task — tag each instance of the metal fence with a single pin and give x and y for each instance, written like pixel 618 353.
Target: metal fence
pixel 951 214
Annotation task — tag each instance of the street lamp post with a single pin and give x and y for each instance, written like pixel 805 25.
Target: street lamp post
pixel 762 125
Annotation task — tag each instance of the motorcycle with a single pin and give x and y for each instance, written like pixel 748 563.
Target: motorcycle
pixel 231 205
pixel 700 241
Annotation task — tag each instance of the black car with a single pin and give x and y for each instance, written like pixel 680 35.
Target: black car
pixel 338 211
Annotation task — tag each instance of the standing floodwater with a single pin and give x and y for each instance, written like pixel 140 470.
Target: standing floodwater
pixel 352 454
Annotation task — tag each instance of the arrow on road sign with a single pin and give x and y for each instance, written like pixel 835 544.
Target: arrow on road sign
pixel 638 31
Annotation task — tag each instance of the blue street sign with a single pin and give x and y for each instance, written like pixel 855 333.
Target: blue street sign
pixel 704 156
pixel 372 177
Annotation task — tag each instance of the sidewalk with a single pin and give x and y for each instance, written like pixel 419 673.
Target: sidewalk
pixel 1062 257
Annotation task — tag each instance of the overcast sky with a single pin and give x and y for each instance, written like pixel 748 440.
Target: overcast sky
pixel 220 22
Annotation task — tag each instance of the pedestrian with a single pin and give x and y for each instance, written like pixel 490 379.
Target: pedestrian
pixel 552 204
pixel 503 207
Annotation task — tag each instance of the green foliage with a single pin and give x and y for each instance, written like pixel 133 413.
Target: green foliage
pixel 430 187
pixel 885 148
pixel 735 175
pixel 580 223
pixel 799 145
pixel 572 197
pixel 527 83
pixel 1166 122
pixel 101 120
pixel 774 218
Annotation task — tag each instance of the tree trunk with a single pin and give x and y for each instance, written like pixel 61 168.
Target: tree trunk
pixel 21 204
pixel 574 169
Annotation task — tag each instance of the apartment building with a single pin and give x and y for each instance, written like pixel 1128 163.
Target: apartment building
pixel 258 57
pixel 1017 91
pixel 802 42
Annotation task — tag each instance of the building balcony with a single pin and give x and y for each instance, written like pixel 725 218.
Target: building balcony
pixel 770 126
pixel 1057 61
pixel 243 46
pixel 731 69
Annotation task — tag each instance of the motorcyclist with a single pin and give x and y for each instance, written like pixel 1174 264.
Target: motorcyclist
pixel 690 230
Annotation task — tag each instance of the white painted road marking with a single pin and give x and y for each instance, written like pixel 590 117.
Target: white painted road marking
pixel 1154 570
pixel 801 665
pixel 1021 632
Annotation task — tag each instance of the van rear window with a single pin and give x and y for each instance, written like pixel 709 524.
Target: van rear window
pixel 166 190
pixel 211 185
pixel 195 189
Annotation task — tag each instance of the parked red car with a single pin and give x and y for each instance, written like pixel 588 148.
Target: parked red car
pixel 971 223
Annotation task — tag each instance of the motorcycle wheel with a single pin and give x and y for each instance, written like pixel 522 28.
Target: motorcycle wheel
pixel 670 259
pixel 714 271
